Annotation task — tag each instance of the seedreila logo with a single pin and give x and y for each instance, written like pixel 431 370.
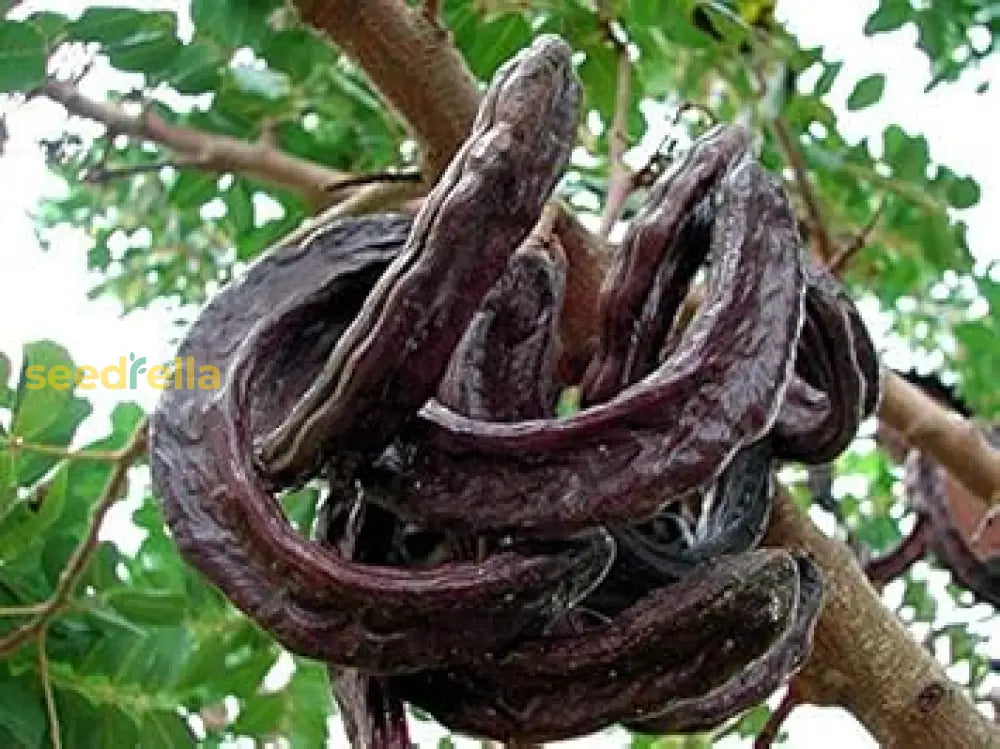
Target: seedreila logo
pixel 180 374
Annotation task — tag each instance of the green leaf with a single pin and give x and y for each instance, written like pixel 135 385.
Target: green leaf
pixel 907 155
pixel 866 92
pixel 22 56
pixel 148 606
pixel 233 23
pixel 44 391
pixel 297 52
pixel 24 526
pixel 963 192
pixel 825 82
pixel 112 25
pixel 300 508
pixel 192 189
pixel 269 84
pixel 195 68
pixel 133 40
pixel 49 25
pixel 6 392
pixel 22 716
pixel 261 715
pixel 599 73
pixel 8 489
pixel 489 43
pixel 164 729
pixel 891 14
pixel 569 402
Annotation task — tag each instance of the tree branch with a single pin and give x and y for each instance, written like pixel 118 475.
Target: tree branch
pixel 865 661
pixel 956 443
pixel 411 61
pixel 769 733
pixel 825 247
pixel 620 180
pixel 206 151
pixel 55 732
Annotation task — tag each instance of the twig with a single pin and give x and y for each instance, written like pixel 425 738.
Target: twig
pixel 793 156
pixel 50 702
pixel 28 610
pixel 769 732
pixel 15 444
pixel 374 178
pixel 620 181
pixel 212 152
pixel 100 175
pixel 81 555
pixel 839 262
pixel 377 196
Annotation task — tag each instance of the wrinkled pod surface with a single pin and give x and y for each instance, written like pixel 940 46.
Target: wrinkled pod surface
pixel 518 575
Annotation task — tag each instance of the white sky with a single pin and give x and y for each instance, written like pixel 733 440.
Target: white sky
pixel 44 294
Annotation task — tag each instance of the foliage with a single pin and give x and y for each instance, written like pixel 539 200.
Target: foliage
pixel 146 650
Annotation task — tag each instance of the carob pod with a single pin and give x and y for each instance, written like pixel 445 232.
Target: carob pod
pixel 271 337
pixel 331 350
pixel 671 432
pixel 734 516
pixel 927 493
pixel 391 359
pixel 837 377
pixel 741 659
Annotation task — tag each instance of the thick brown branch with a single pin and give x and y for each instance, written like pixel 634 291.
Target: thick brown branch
pixel 410 59
pixel 956 443
pixel 207 151
pixel 865 661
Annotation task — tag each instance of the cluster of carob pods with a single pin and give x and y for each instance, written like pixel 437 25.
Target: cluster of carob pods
pixel 515 574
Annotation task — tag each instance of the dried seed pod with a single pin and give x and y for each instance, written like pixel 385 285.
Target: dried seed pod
pixel 664 246
pixel 734 511
pixel 503 369
pixel 219 505
pixel 927 492
pixel 672 432
pixel 837 383
pixel 391 359
pixel 708 679
pixel 461 560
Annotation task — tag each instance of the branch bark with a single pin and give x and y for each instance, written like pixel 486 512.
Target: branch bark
pixel 410 59
pixel 956 443
pixel 865 661
pixel 206 151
